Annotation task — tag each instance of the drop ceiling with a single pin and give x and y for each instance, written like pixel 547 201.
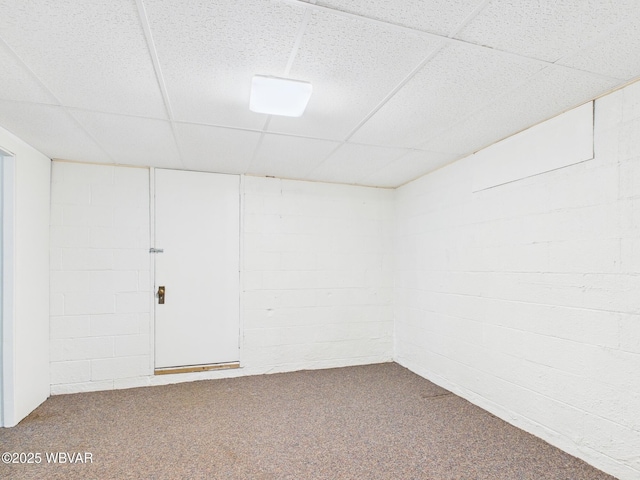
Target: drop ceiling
pixel 400 88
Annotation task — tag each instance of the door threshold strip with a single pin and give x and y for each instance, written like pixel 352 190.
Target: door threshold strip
pixel 196 368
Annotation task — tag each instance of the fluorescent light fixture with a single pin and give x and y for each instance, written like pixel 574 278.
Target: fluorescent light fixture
pixel 279 96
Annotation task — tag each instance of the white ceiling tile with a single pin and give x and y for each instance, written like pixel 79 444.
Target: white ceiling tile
pixel 353 162
pixel 435 16
pixel 78 79
pixel 216 149
pixel 408 167
pixel 615 55
pixel 208 66
pixel 50 130
pixel 545 29
pixel 132 140
pixel 352 65
pixel 91 55
pixel 16 83
pixel 457 81
pixel 560 88
pixel 289 157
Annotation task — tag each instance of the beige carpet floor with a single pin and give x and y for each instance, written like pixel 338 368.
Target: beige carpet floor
pixel 369 422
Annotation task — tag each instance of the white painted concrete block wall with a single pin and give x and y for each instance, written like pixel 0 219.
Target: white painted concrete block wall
pixel 317 278
pixel 525 298
pixel 100 290
pixel 317 275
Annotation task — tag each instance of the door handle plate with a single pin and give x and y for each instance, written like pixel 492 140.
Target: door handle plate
pixel 161 295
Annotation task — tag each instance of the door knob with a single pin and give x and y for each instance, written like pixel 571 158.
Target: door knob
pixel 161 295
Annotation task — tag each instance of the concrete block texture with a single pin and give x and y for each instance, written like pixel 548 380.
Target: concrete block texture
pixel 317 280
pixel 523 298
pixel 99 244
pixel 314 254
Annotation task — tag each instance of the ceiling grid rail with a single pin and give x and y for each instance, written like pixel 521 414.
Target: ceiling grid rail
pixel 515 87
pixel 58 102
pixel 287 70
pixel 448 39
pixel 153 53
pixel 408 78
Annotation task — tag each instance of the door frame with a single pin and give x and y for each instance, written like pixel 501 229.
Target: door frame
pixel 7 279
pixel 152 269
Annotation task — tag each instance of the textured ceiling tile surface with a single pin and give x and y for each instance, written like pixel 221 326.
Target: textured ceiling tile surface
pixel 435 16
pixel 90 61
pixel 90 54
pixel 208 67
pixel 545 29
pixel 353 162
pixel 132 140
pixel 16 83
pixel 456 82
pixel 562 89
pixel 289 157
pixel 216 149
pixel 50 130
pixel 616 55
pixel 352 65
pixel 408 167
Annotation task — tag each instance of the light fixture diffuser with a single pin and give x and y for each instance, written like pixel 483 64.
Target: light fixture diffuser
pixel 279 96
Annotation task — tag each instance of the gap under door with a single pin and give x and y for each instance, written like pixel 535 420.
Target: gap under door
pixel 197 264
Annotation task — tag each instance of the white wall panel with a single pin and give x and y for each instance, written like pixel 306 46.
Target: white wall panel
pixel 522 298
pixel 26 328
pixel 556 143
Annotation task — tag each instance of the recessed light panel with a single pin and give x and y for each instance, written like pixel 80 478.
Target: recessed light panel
pixel 279 96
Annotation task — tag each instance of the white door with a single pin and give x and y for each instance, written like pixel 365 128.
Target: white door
pixel 197 227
